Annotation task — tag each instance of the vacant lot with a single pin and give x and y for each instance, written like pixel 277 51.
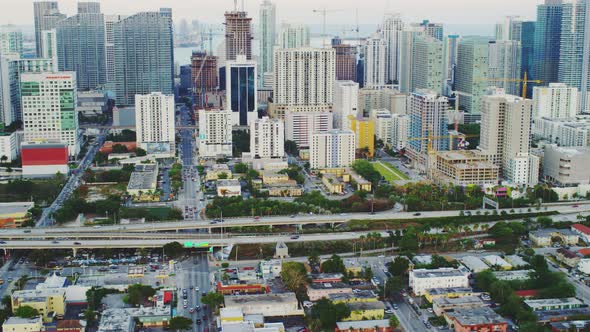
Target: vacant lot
pixel 389 172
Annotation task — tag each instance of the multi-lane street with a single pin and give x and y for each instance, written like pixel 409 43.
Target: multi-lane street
pixel 194 281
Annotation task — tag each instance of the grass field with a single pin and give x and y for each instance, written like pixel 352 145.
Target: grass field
pixel 389 172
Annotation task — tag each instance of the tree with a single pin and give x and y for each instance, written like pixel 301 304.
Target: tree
pixel 329 313
pixel 180 323
pixel 119 148
pixel 26 311
pixel 367 171
pixel 314 260
pixel 399 266
pixel 213 299
pixel 294 277
pixel 393 322
pixel 222 176
pixel 240 168
pixel 291 148
pixel 368 273
pixel 137 294
pixel 393 285
pixel 90 315
pixel 333 265
pixel 173 249
pixel 140 152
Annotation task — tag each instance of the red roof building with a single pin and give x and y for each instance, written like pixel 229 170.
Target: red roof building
pixel 242 289
pixel 107 147
pixel 44 159
pixel 527 293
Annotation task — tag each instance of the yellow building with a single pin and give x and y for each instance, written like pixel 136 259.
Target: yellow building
pixel 274 177
pixel 333 183
pixel 17 324
pixel 365 310
pixel 364 130
pixel 49 300
pixel 215 171
pixel 360 182
pixel 436 293
pixel 13 215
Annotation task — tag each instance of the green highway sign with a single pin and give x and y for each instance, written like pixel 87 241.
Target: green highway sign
pixel 191 244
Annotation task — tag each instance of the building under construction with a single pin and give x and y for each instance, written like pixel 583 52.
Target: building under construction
pixel 204 76
pixel 238 35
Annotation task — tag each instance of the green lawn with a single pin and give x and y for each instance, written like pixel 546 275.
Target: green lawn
pixel 389 172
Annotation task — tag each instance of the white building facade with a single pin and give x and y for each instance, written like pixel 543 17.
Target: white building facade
pixel 332 149
pixel 300 126
pixel 267 138
pixel 215 133
pixel 346 102
pixel 556 101
pixel 154 123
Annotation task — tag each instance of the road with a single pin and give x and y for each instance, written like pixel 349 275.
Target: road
pixel 72 183
pixel 195 279
pixel 582 290
pixel 190 197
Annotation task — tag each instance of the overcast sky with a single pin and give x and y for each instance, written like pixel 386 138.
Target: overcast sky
pixel 369 11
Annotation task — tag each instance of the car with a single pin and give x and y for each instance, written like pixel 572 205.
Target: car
pixel 191 310
pixel 430 310
pixel 294 237
pixel 257 218
pixel 198 321
pixel 197 289
pixel 198 308
pixel 417 214
pixel 395 307
pixel 204 294
pixel 185 306
pixel 307 304
pixel 77 243
pixel 205 317
pixel 575 205
pixel 389 311
pixel 293 216
pixel 2 242
pixel 54 241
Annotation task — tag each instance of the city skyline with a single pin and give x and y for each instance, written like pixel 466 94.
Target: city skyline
pixel 344 12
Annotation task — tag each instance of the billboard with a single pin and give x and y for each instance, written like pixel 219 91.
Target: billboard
pixel 157 147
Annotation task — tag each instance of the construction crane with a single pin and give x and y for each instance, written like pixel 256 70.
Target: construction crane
pixel 525 81
pixel 431 138
pixel 324 13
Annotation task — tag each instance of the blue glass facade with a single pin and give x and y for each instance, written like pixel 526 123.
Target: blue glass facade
pixel 547 43
pixel 243 92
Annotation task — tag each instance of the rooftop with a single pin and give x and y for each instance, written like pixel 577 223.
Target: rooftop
pixel 20 321
pixel 238 300
pixel 375 305
pixel 35 295
pixel 438 273
pixel 328 285
pixel 553 302
pixel 362 324
pixel 455 290
pixel 15 207
pixel 453 301
pixel 363 294
pixel 477 316
pixel 516 274
pixel 581 228
pixel 228 183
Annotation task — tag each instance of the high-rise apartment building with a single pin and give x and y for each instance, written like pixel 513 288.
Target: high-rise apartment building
pixel 332 149
pixel 427 64
pixel 364 134
pixel 345 62
pixel 387 98
pixel 300 126
pixel 293 35
pixel 49 45
pixel 547 41
pixel 509 29
pixel 383 125
pixel 428 113
pixel 346 102
pixel 268 35
pixel 505 137
pixel 154 123
pixel 46 17
pixel 392 25
pixel 241 90
pixel 557 101
pixel 304 76
pixel 574 59
pixel 527 58
pixel 267 138
pixel 375 61
pixel 472 66
pixel 238 35
pixel 451 46
pixel 504 66
pixel 407 38
pixel 400 125
pixel 215 133
pixel 57 120
pixel 144 60
pixel 204 76
pixel 81 45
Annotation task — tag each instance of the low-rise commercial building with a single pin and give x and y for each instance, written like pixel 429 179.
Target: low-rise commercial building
pixel 360 182
pixel 333 184
pixel 216 171
pixel 47 301
pixel 495 260
pixel 584 265
pixel 424 279
pixel 455 292
pixel 476 319
pixel 365 310
pixel 14 214
pixel 380 325
pixel 440 305
pixel 356 296
pixel 269 305
pixel 516 260
pixel 144 182
pixel 554 304
pixel 18 324
pixel 284 190
pixel 125 319
pixel 513 275
pixel 229 188
pixel 582 231
pixel 543 237
pixel 269 177
pixel 474 264
pixel 317 291
pixel 567 257
pixel 566 166
pixel 271 268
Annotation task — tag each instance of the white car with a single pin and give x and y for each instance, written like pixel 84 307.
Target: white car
pixel 307 304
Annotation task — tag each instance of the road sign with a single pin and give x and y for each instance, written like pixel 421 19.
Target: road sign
pixel 491 202
pixel 191 244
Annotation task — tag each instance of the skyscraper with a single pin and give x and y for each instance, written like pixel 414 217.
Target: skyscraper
pixel 49 47
pixel 293 36
pixel 527 54
pixel 332 149
pixel 154 123
pixel 472 65
pixel 109 44
pixel 428 118
pixel 46 17
pixel 557 101
pixel 346 103
pixel 375 61
pixel 81 45
pixel 547 41
pixel 300 126
pixel 434 30
pixel 345 62
pixel 144 60
pixel 58 119
pixel 427 64
pixel 241 90
pixel 574 59
pixel 509 29
pixel 11 40
pixel 504 63
pixel 267 138
pixel 267 30
pixel 451 45
pixel 407 38
pixel 238 35
pixel 392 25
